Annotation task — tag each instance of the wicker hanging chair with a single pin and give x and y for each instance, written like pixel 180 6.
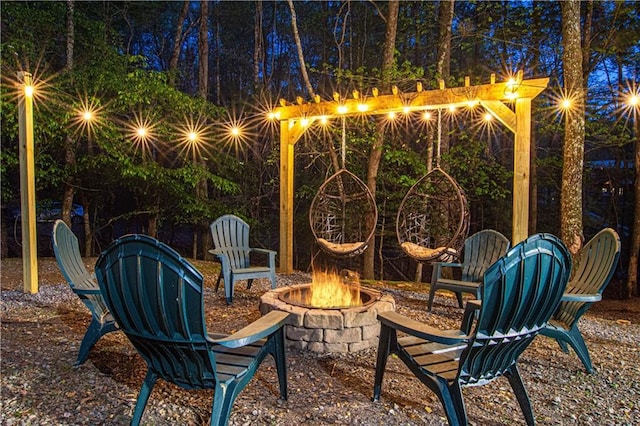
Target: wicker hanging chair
pixel 433 218
pixel 343 215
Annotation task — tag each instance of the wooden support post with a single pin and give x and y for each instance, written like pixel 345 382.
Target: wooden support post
pixel 286 198
pixel 521 171
pixel 27 186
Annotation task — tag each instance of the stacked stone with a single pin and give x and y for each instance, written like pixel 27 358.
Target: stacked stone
pixel 329 330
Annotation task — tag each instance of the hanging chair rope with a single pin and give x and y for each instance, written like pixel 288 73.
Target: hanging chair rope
pixel 343 214
pixel 433 218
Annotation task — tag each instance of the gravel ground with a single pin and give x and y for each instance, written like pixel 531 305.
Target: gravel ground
pixel 41 334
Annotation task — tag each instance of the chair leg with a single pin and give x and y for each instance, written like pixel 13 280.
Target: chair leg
pixel 384 346
pixel 143 397
pixel 577 343
pixel 281 363
pixel 453 404
pixel 91 336
pixel 432 292
pixel 249 282
pixel 521 393
pixel 218 281
pixel 223 397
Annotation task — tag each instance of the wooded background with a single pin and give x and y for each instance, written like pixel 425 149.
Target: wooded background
pixel 207 66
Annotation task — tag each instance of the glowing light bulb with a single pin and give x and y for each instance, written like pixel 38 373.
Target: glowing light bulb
pixel 235 131
pixel 324 120
pixel 406 110
pixel 304 122
pixel 363 107
pixel 566 103
pixel 28 91
pixel 452 108
pixel 426 116
pixel 472 104
pixel 142 132
pixel 342 109
pixel 391 115
pixel 193 136
pixel 488 117
pixel 274 115
pixel 634 100
pixel 87 115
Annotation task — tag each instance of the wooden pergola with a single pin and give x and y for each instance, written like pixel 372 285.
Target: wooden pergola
pixel 509 102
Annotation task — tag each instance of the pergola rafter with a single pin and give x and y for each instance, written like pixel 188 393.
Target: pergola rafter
pixel 509 102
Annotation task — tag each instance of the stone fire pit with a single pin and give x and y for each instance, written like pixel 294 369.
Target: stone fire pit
pixel 324 330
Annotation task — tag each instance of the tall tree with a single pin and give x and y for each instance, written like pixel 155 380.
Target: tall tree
pixel 375 154
pixel 296 36
pixel 177 42
pixel 70 143
pixel 574 134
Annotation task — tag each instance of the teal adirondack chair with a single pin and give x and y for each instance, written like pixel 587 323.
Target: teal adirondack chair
pixel 598 261
pixel 157 298
pixel 231 240
pixel 519 294
pixel 481 250
pixel 82 283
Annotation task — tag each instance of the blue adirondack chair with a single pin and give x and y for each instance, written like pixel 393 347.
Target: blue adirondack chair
pixel 82 283
pixel 481 250
pixel 231 240
pixel 157 298
pixel 598 261
pixel 519 293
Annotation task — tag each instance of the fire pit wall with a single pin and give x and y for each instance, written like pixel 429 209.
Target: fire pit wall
pixel 329 330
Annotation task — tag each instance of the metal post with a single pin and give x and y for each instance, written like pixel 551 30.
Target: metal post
pixel 27 186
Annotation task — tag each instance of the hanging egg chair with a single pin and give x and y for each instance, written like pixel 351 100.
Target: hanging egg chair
pixel 433 218
pixel 343 215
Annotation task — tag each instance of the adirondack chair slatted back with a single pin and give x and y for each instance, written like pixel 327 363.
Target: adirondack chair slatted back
pixel 67 253
pixel 520 292
pixel 598 260
pixel 231 236
pixel 481 250
pixel 156 297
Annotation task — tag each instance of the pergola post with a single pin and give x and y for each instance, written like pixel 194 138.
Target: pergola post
pixel 286 198
pixel 27 186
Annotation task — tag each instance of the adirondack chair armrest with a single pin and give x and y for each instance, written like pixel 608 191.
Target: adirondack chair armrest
pixel 418 329
pixel 86 291
pixel 222 257
pixel 270 253
pixel 576 297
pixel 470 310
pixel 259 329
pixel 437 269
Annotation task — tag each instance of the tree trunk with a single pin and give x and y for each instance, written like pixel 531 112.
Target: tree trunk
pixel 443 60
pixel 296 36
pixel 203 51
pixel 632 272
pixel 258 44
pixel 573 154
pixel 177 43
pixel 376 150
pixel 69 142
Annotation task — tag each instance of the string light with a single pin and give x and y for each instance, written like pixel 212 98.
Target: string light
pixel 487 116
pixel 363 107
pixel 426 116
pixel 342 109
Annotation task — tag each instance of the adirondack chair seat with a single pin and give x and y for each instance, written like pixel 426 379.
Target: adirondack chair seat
pixel 83 284
pixel 519 293
pixel 231 240
pixel 597 264
pixel 157 298
pixel 480 251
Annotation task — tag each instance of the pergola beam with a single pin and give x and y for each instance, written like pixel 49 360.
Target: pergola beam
pixel 499 98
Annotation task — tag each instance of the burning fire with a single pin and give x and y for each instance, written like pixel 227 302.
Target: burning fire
pixel 328 289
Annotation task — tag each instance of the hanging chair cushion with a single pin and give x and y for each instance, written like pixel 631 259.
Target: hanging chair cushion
pixel 445 254
pixel 340 248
